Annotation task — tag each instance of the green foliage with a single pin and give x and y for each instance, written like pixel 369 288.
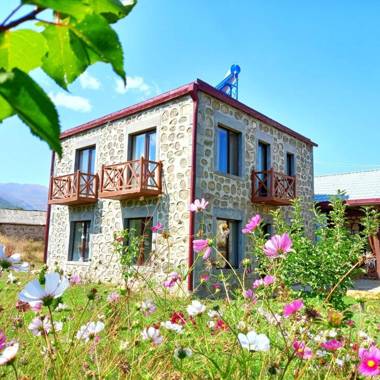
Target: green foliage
pixel 77 35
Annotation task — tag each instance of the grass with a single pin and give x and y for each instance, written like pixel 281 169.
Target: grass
pixel 31 250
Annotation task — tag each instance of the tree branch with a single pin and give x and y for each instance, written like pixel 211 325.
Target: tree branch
pixel 30 16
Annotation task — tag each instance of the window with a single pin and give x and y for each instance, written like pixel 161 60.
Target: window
pixel 263 164
pixel 141 227
pixel 228 156
pixel 143 145
pixel 85 160
pixel 227 240
pixel 79 241
pixel 290 169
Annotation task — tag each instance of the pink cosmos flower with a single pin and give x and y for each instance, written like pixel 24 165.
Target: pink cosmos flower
pixel 249 294
pixel 302 351
pixel 202 245
pixel 172 279
pixel 278 244
pixel 113 297
pixel 8 353
pixel 266 281
pixel 204 278
pixel 369 361
pixel 332 345
pixel 293 307
pixel 36 306
pixel 198 205
pixel 158 227
pixel 75 279
pixel 3 339
pixel 252 224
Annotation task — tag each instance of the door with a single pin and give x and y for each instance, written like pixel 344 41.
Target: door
pixel 263 181
pixel 85 163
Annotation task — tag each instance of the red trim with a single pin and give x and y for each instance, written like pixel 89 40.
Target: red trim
pixel 176 93
pixel 47 227
pixel 193 177
pixel 363 202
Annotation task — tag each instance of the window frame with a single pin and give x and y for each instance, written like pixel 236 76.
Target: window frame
pixel 87 230
pixel 131 145
pixel 238 134
pixel 236 263
pixel 92 158
pixel 292 167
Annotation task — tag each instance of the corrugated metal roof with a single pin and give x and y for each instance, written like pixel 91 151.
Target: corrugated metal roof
pixel 37 218
pixel 357 185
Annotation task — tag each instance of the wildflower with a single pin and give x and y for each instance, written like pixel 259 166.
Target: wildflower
pixel 40 326
pixel 11 279
pixel 249 294
pixel 172 279
pixel 195 308
pixel 369 361
pixel 339 362
pixel 22 306
pixel 90 330
pixel 178 318
pixel 241 326
pixel 61 307
pixel 113 297
pixel 254 342
pixel 204 278
pixel 332 345
pixel 75 279
pixel 3 339
pixel 148 307
pixel 252 224
pixel 8 353
pixel 273 319
pixel 293 307
pixel 182 353
pixel 55 286
pixel 278 244
pixel 36 306
pixel 220 325
pixel 172 326
pixel 301 350
pixel 153 334
pixel 198 205
pixel 214 314
pixel 12 262
pixel 266 281
pixel 158 227
pixel 203 245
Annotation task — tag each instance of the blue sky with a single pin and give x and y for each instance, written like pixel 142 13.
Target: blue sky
pixel 314 66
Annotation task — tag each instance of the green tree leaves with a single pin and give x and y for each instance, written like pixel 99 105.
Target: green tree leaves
pixel 78 35
pixel 32 105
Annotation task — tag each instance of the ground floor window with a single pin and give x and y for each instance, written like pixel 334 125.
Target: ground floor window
pixel 79 242
pixel 227 239
pixel 141 227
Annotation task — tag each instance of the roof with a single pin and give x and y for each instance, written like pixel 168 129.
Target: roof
pixel 188 89
pixel 361 188
pixel 33 218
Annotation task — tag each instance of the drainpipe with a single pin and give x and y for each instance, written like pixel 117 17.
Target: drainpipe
pixel 47 227
pixel 194 96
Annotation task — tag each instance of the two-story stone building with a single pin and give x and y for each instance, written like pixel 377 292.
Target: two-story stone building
pixel 148 162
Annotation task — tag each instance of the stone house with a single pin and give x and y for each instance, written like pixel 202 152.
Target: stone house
pixel 148 162
pixel 23 224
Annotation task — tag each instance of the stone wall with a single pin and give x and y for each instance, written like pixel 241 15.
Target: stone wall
pixel 228 195
pixel 173 122
pixel 22 231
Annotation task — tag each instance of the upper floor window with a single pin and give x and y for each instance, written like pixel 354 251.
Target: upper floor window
pixel 263 156
pixel 228 156
pixel 143 145
pixel 290 167
pixel 142 228
pixel 227 240
pixel 85 160
pixel 79 241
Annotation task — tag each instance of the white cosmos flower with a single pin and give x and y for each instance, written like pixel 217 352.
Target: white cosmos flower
pixel 214 314
pixel 61 307
pixel 90 330
pixel 254 342
pixel 195 308
pixel 12 262
pixel 172 326
pixel 42 326
pixel 153 334
pixel 55 286
pixel 8 353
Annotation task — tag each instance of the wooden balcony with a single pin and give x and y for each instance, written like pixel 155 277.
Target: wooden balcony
pixel 131 179
pixel 74 189
pixel 273 188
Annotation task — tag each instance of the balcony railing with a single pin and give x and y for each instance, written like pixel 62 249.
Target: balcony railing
pixel 131 179
pixel 273 188
pixel 74 189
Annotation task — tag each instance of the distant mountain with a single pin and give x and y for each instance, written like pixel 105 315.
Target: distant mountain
pixel 23 196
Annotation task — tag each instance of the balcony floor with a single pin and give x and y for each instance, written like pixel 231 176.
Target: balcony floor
pixel 72 201
pixel 272 201
pixel 129 194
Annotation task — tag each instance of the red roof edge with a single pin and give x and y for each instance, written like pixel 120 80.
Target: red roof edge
pixel 363 202
pixel 189 88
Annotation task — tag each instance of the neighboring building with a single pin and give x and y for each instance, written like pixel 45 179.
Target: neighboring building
pixel 147 162
pixel 361 189
pixel 23 224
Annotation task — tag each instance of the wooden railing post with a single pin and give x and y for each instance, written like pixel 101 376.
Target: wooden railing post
pixel 78 184
pixel 253 184
pixel 160 176
pixel 141 173
pixel 271 179
pixel 101 178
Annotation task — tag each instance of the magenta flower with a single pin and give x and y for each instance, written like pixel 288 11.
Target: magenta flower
pixel 293 307
pixel 172 279
pixel 301 350
pixel 75 279
pixel 332 345
pixel 278 244
pixel 203 245
pixel 249 294
pixel 266 281
pixel 113 297
pixel 3 340
pixel 198 205
pixel 252 224
pixel 369 361
pixel 158 227
pixel 204 277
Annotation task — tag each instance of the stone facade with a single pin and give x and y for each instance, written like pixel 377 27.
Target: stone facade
pixel 229 196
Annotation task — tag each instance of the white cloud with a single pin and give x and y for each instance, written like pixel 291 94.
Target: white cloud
pixel 137 84
pixel 75 103
pixel 87 81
